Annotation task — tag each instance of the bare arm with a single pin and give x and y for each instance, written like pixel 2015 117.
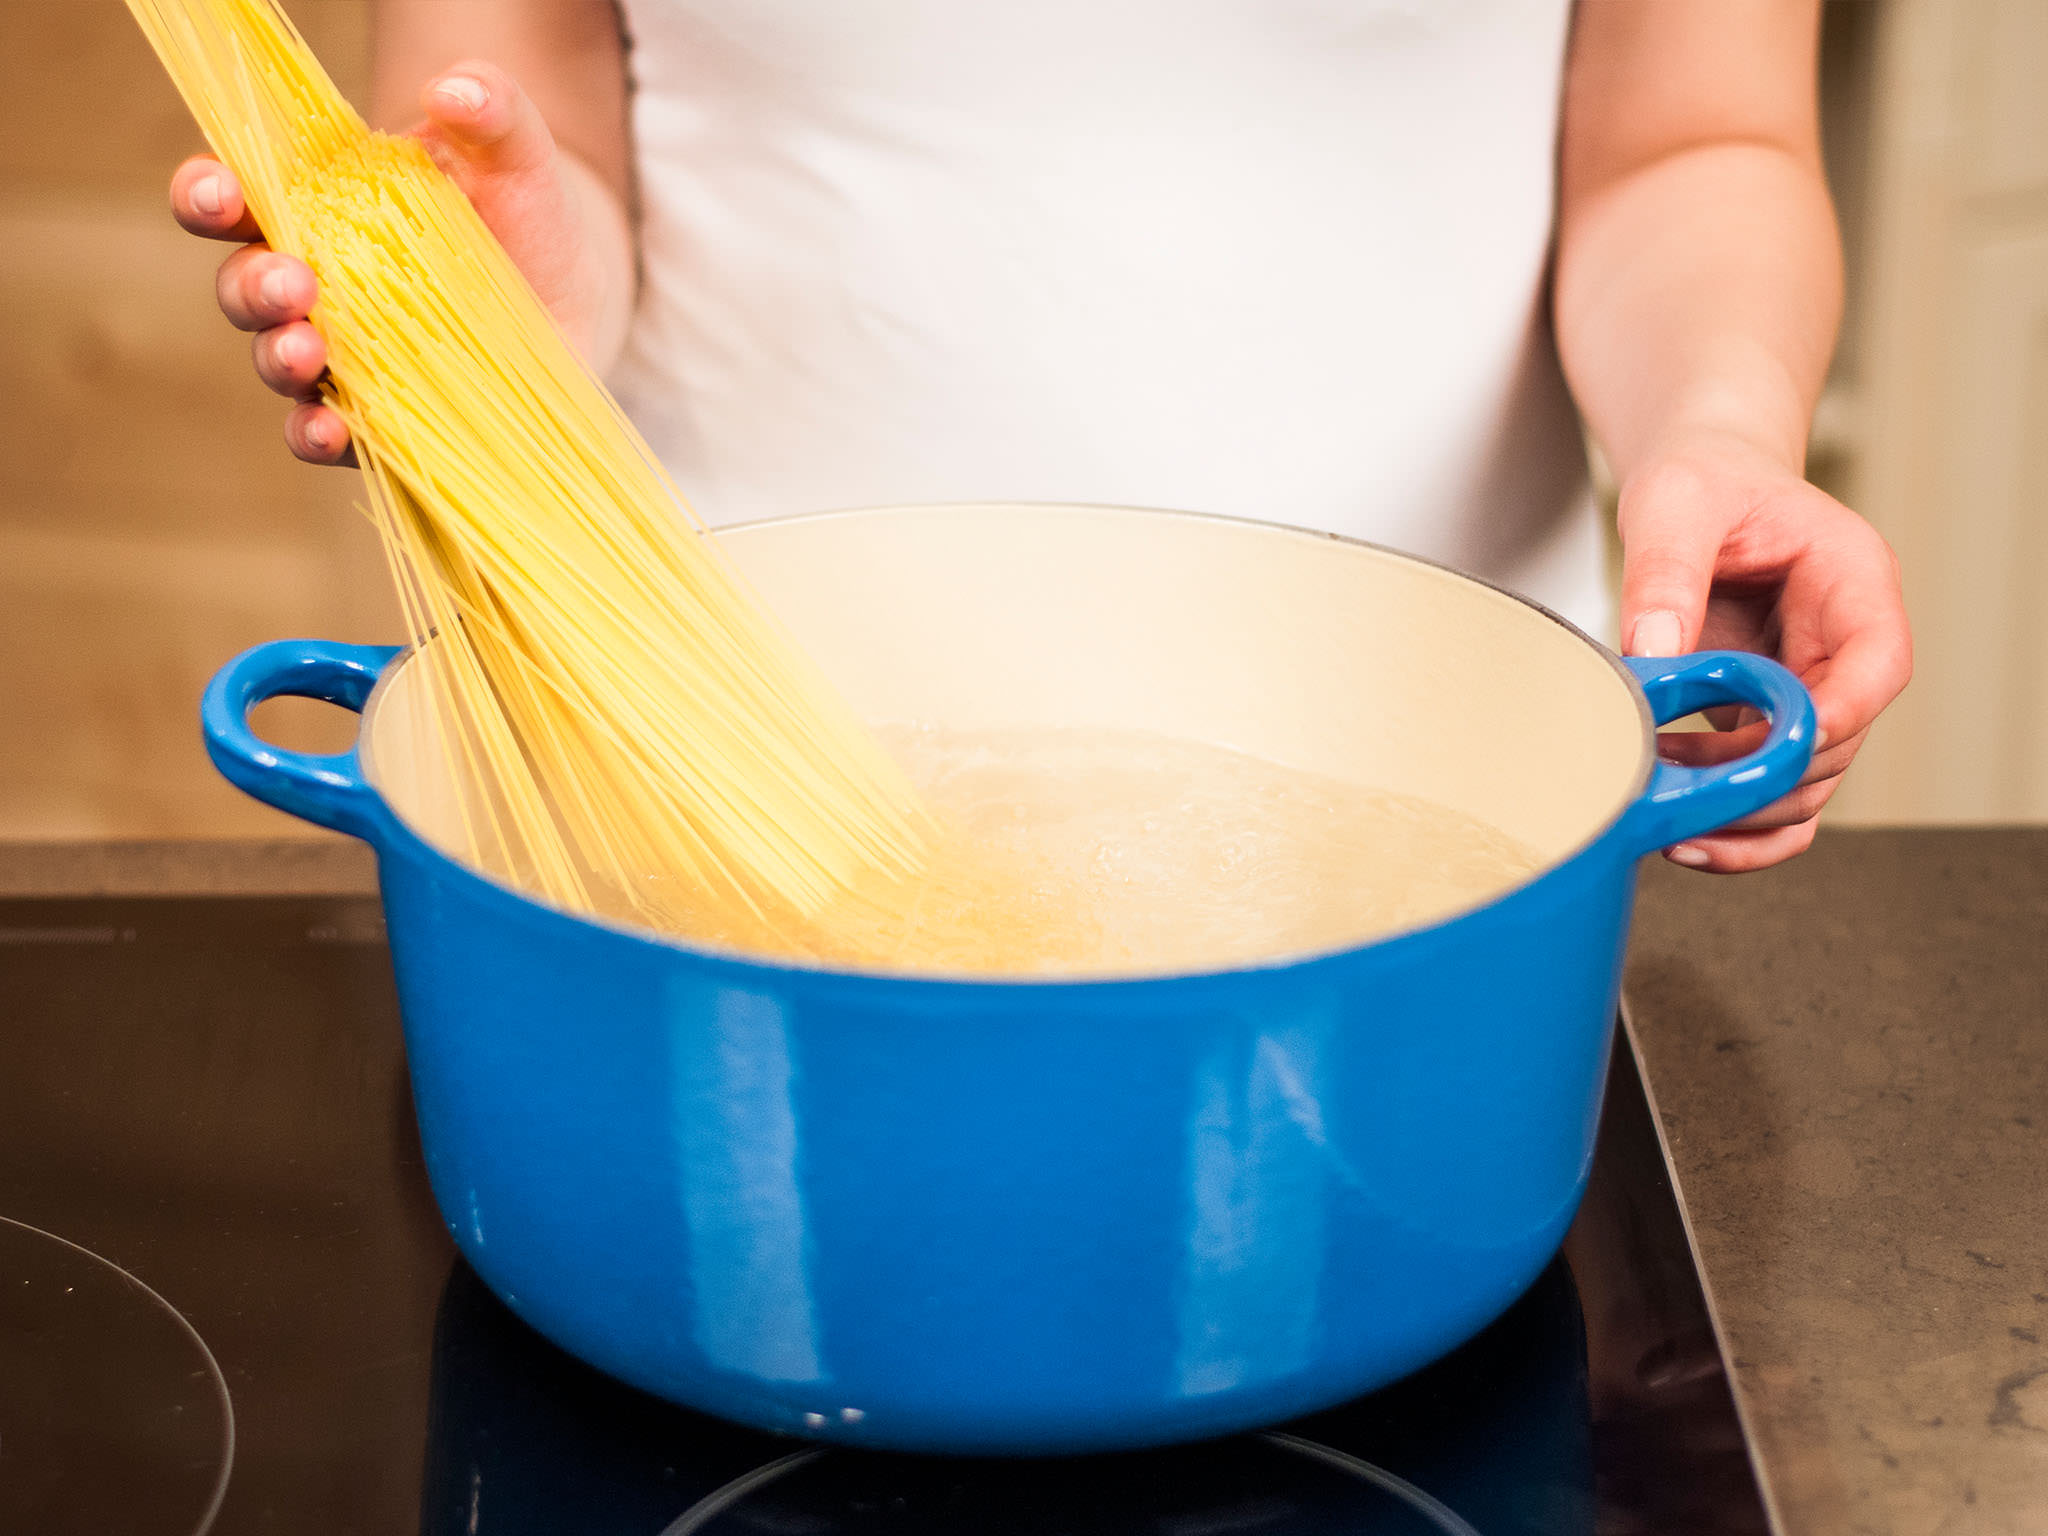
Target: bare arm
pixel 1698 291
pixel 523 102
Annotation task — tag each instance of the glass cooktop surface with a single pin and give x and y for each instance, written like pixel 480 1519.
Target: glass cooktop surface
pixel 228 1306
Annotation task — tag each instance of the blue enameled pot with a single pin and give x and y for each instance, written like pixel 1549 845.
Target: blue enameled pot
pixel 942 1214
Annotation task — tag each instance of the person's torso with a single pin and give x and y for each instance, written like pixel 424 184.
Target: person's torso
pixel 1278 258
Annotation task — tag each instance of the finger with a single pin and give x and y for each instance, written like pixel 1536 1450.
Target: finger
pixel 291 358
pixel 206 199
pixel 317 434
pixel 258 288
pixel 491 124
pixel 1736 853
pixel 1705 749
pixel 1803 804
pixel 1872 662
pixel 1670 539
pixel 1701 749
pixel 1822 778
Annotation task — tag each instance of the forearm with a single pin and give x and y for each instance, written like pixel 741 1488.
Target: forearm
pixel 1700 293
pixel 1698 287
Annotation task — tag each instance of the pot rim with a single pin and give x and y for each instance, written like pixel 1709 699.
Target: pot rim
pixel 782 967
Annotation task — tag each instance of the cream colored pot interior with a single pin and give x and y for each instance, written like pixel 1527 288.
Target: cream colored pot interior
pixel 1302 649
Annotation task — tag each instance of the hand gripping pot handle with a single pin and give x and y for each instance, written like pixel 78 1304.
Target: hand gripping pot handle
pixel 1686 802
pixel 328 790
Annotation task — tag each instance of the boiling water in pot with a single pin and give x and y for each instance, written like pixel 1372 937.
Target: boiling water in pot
pixel 1147 853
pixel 1090 852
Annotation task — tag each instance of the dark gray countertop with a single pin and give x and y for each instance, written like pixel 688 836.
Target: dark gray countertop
pixel 1849 1061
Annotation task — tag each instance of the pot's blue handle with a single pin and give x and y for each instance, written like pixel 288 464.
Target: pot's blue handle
pixel 328 790
pixel 1686 802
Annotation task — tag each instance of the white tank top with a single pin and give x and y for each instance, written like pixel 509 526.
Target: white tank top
pixel 1284 259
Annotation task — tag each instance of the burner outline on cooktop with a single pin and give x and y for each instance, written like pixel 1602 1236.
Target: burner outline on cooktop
pixel 1446 1519
pixel 722 1499
pixel 1380 1477
pixel 220 1382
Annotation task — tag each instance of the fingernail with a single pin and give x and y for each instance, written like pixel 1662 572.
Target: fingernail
pixel 1820 737
pixel 206 194
pixel 316 436
pixel 1657 633
pixel 465 91
pixel 1688 855
pixel 275 289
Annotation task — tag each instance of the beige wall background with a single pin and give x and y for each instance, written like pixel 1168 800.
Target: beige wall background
pixel 151 523
pixel 1939 423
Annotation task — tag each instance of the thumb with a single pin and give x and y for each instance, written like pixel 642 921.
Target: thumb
pixel 491 126
pixel 1670 540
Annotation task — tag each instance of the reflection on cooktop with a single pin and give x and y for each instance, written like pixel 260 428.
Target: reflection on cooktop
pixel 113 1414
pixel 1264 1485
pixel 524 1439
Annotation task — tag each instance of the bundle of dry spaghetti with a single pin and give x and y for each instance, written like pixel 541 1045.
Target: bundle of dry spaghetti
pixel 630 714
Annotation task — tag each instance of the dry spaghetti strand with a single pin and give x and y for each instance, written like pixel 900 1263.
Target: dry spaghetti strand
pixel 625 711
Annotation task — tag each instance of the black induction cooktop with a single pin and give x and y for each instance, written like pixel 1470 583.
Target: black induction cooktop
pixel 228 1306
